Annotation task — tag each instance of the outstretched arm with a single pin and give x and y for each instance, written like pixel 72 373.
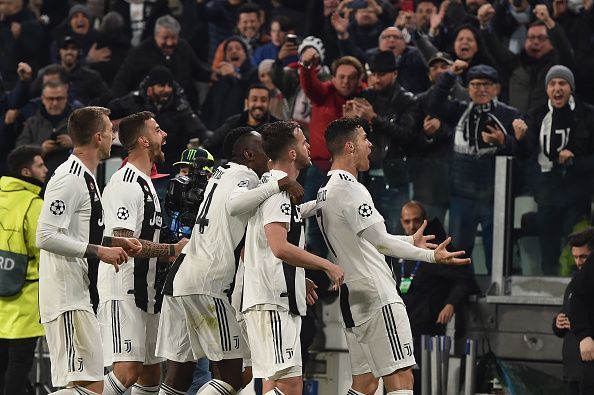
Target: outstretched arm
pixel 149 249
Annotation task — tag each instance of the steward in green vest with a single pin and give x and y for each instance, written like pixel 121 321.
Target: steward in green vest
pixel 20 206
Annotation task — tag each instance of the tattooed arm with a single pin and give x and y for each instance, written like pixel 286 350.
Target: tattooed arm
pixel 149 249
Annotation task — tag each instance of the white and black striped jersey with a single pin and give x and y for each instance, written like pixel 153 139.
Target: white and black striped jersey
pixel 268 280
pixel 131 202
pixel 72 203
pixel 344 209
pixel 212 254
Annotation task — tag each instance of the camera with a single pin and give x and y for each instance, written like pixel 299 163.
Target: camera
pixel 184 195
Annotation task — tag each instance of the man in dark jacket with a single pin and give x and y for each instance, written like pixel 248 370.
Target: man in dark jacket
pixel 431 293
pixel 560 143
pixel 482 129
pixel 257 102
pixel 161 95
pixel 166 49
pixel 582 244
pixel 394 118
pixel 47 127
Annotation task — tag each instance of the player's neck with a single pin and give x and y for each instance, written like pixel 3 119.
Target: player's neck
pixel 288 167
pixel 89 156
pixel 345 164
pixel 141 161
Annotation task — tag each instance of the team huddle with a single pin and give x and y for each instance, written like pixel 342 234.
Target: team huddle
pixel 111 294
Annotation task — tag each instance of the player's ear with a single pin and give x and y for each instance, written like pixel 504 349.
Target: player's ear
pixel 248 155
pixel 350 147
pixel 292 154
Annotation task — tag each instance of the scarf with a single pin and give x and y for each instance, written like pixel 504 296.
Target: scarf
pixel 554 134
pixel 468 139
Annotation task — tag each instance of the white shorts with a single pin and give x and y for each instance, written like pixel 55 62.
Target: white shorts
pixel 245 345
pixel 275 343
pixel 74 347
pixel 383 344
pixel 128 333
pixel 195 326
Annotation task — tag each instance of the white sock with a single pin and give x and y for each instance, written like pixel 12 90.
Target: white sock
pixel 112 386
pixel 74 391
pixel 275 391
pixel 353 392
pixel 167 390
pixel 138 389
pixel 216 387
pixel 400 392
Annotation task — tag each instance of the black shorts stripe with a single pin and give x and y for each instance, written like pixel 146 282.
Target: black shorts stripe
pixel 345 307
pixel 390 329
pixel 277 337
pixel 116 326
pixel 220 389
pixel 68 340
pixel 224 334
pixel 70 344
pixel 397 338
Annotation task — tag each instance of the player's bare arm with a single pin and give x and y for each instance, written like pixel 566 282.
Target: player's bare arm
pixel 151 249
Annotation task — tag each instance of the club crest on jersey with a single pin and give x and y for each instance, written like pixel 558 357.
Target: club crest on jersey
pixel 57 207
pixel 123 213
pixel 157 220
pixel 286 208
pixel 365 210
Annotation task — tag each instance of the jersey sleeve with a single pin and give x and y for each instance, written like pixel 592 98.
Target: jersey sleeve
pixel 122 203
pixel 358 208
pixel 276 208
pixel 63 197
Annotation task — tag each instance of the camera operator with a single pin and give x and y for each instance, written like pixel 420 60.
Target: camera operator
pixel 129 299
pixel 202 276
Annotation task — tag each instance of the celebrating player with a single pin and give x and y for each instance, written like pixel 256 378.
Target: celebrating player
pixel 69 234
pixel 376 325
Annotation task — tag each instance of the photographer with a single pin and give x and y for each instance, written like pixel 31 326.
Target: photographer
pixel 484 127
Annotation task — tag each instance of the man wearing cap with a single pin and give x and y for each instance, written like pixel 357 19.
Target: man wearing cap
pixel 187 158
pixel 560 143
pixel 393 115
pixel 483 128
pixel 87 83
pixel 431 153
pixel 160 94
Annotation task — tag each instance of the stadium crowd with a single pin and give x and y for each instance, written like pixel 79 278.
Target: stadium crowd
pixel 441 88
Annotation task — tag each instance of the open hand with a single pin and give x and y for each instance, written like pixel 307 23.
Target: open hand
pixel 442 255
pixel 422 241
pixel 446 314
pixel 310 292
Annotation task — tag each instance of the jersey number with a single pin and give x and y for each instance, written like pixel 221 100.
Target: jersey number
pixel 201 220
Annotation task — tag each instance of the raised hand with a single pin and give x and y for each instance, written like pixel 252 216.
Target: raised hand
pixel 422 241
pixel 442 255
pixel 458 67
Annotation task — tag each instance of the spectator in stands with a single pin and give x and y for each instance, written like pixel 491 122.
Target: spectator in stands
pixel 432 293
pixel 279 28
pixel 582 244
pixel 112 37
pixel 21 39
pixel 482 129
pixel 278 104
pixel 222 18
pixel 287 78
pixel 412 70
pixel 87 84
pixel 140 17
pixel 47 127
pixel 393 115
pixel 367 22
pixel 424 10
pixel 20 206
pixel 166 49
pixel 560 143
pixel 256 115
pixel 545 46
pixel 430 154
pixel 233 77
pixel 328 99
pixel 249 22
pixel 79 25
pixel 161 95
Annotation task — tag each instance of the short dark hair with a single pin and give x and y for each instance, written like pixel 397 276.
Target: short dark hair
pixel 339 132
pixel 234 140
pixel 56 69
pixel 257 86
pixel 22 157
pixel 349 61
pixel 537 22
pixel 582 238
pixel 284 22
pixel 277 137
pixel 248 8
pixel 84 122
pixel 131 127
pixel 54 84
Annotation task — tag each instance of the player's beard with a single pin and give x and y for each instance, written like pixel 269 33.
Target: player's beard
pixel 158 155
